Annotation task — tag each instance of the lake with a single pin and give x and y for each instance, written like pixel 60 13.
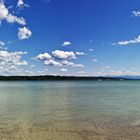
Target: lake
pixel 70 110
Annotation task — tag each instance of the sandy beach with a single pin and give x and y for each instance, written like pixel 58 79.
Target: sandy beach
pixel 92 130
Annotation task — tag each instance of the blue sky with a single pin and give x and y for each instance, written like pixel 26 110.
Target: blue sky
pixel 69 37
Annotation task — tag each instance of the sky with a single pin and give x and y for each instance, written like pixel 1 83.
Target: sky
pixel 70 37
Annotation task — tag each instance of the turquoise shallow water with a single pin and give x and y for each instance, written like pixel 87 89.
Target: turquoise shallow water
pixel 67 106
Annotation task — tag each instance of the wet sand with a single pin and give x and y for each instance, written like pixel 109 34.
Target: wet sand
pixel 84 130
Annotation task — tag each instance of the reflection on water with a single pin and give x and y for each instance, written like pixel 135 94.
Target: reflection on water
pixel 72 110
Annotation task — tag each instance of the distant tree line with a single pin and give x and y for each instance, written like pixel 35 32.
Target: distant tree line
pixel 51 77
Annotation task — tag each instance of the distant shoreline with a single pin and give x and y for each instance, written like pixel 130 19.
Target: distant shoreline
pixel 59 78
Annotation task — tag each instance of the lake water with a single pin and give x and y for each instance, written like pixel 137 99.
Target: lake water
pixel 70 110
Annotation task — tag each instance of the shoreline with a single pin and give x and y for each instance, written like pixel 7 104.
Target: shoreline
pixel 63 78
pixel 89 130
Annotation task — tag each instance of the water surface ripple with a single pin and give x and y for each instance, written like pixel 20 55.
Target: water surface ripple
pixel 70 110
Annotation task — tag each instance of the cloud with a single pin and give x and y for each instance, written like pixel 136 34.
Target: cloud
pixel 128 42
pixel 95 60
pixel 13 19
pixel 44 56
pixel 21 4
pixel 2 45
pixel 63 54
pixel 13 58
pixel 58 58
pixel 11 61
pixel 67 63
pixel 3 11
pixel 109 71
pixel 91 49
pixel 107 67
pixel 80 53
pixel 4 14
pixel 79 65
pixel 52 63
pixel 81 72
pixel 63 70
pixel 24 33
pixel 115 73
pixel 136 13
pixel 42 72
pixel 47 60
pixel 66 43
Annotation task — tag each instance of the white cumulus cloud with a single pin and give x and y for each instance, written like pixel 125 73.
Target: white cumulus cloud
pixel 136 13
pixel 21 4
pixel 128 42
pixel 44 56
pixel 66 43
pixel 58 58
pixel 11 61
pixel 80 53
pixel 10 18
pixel 24 33
pixel 63 54
pixel 3 11
pixel 67 63
pixel 52 62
